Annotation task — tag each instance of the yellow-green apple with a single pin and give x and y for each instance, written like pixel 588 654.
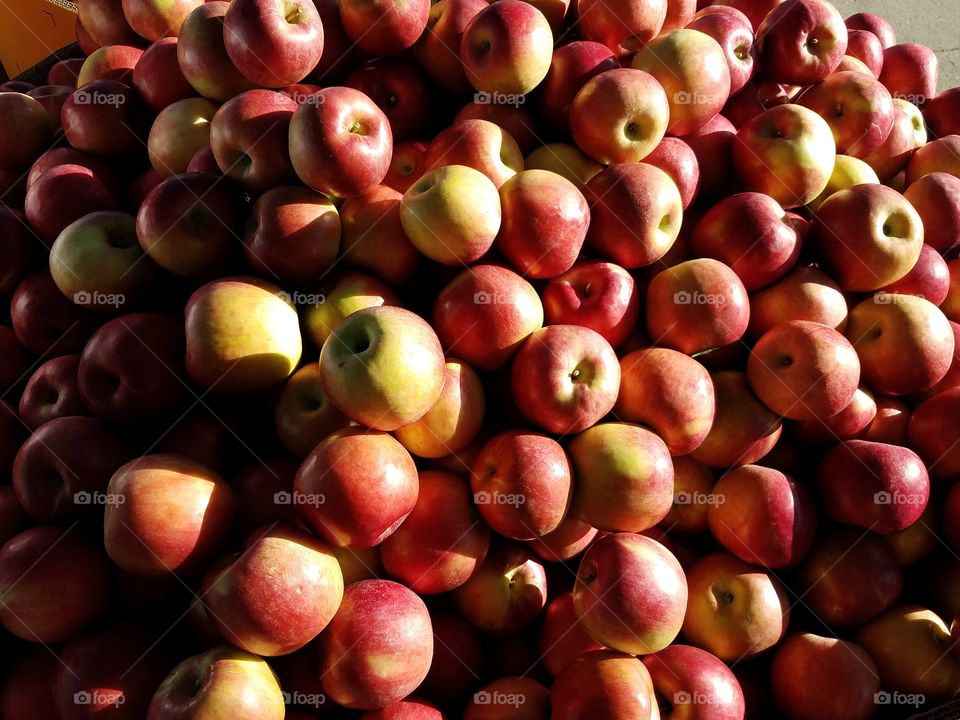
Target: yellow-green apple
pixel 440 43
pixel 619 116
pixel 917 124
pixel 478 144
pixel 485 314
pixel 753 235
pixel 372 235
pixel 933 431
pixel 910 71
pixel 624 27
pixel 178 133
pixel 897 150
pixel 565 378
pixel 940 113
pixel 62 195
pixel 847 172
pixel 911 647
pixel 243 335
pixel 936 198
pixel 743 430
pixel 630 593
pixel 849 577
pixel 273 44
pixel 380 28
pixel 111 62
pixel 669 392
pixel 54 583
pixel 378 646
pixel 131 369
pixel 165 513
pixel 340 142
pixel 346 293
pixel 866 47
pixel 678 160
pixel 597 295
pixel 824 678
pixel 852 421
pixel 876 24
pixel 509 697
pixel 562 639
pixel 786 152
pixel 103 118
pixel 452 423
pixel 604 683
pixel 566 160
pixel 695 685
pixel 103 20
pixel 571 538
pixel 571 67
pixel 506 593
pixel 806 293
pixel 221 682
pixel 905 343
pixel 402 91
pixel 624 477
pixel 452 214
pixel 153 20
pixel 506 48
pixel 801 42
pixel 189 224
pixel 735 37
pixel 697 305
pixel 735 609
pixel 203 57
pixel 858 109
pixel 383 367
pixel 890 424
pixel 941 155
pixel 51 392
pixel 248 136
pixel 442 542
pixel 868 236
pixel 635 213
pixel 292 234
pixel 47 323
pixel 522 484
pixel 692 68
pixel 355 487
pixel 544 224
pixel 303 416
pixel 762 516
pixel 97 262
pixel 157 76
pixel 25 119
pixel 267 613
pixel 804 370
pixel 407 164
pixel 929 278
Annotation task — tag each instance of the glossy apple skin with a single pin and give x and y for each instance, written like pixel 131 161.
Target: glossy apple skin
pixel 345 294
pixel 379 645
pixel 45 321
pixel 600 296
pixel 571 67
pixel 562 638
pixel 735 37
pixel 735 610
pixel 619 116
pixel 936 198
pixel 407 164
pixel 933 431
pixel 604 683
pixel 441 543
pixel 222 681
pixel 858 108
pixel 692 484
pixel 157 76
pixel 910 71
pixel 55 157
pixel 622 27
pixel 850 577
pixel 936 156
pixel 54 584
pixel 635 214
pixel 174 515
pixel 874 23
pixel 698 685
pixel 782 41
pixel 445 25
pixel 354 162
pixel 62 195
pixel 52 392
pixel 897 150
pixel 823 677
pixel 112 62
pixel 361 502
pixel 765 518
pixel 866 47
pixel 153 20
pixel 851 422
pixel 929 278
pixel 383 28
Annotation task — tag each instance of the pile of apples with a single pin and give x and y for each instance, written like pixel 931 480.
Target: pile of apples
pixel 525 360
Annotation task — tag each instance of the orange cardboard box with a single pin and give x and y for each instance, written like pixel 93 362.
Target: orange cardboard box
pixel 30 30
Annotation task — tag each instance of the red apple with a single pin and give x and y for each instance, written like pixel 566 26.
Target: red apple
pixel 866 47
pixel 154 20
pixel 941 155
pixel 607 684
pixel 25 692
pixel 571 538
pixel 479 144
pixel 940 113
pixel 801 41
pixel 203 57
pixel 303 415
pixel 178 133
pixel 384 28
pixel 934 432
pixel 562 639
pixel 678 160
pixel 62 195
pixel 157 76
pixel 806 293
pixel 103 118
pixel 372 235
pixel 45 321
pixel 402 91
pixel 874 23
pixel 25 119
pixel 910 71
pixel 441 39
pixel 19 254
pixel 112 62
pixel 858 109
pixel 735 38
pixel 104 22
pixel 52 392
pixel 936 198
pixel 571 67
pixel 624 27
pixel 696 685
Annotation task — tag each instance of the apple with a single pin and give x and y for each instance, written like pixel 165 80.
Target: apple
pixel 112 62
pixel 849 577
pixel 847 172
pixel 506 593
pixel 345 294
pixel 157 76
pixel 103 118
pixel 904 342
pixel 203 57
pixel 248 136
pixel 168 514
pixel 410 709
pixel 45 322
pixel 757 96
pixel 933 432
pixel 153 20
pixel 503 699
pixel 936 198
pixel 874 23
pixel 222 681
pixel 441 543
pixel 936 156
pixel 692 485
pixel 695 684
pixel 851 422
pixel 189 224
pixel 566 160
pixel 800 42
pixel 571 67
pixel 562 639
pixel 104 22
pixel 445 25
pixel 858 109
pixel 52 392
pixel 890 424
pixel 402 91
pixel 52 97
pixel 635 213
pixel 64 72
pixel 24 118
pixel 19 254
pixel 506 48
pixel 805 293
pixel 929 278
pixel 180 131
pixel 478 144
pixel 940 113
pixel 621 26
pixel 407 164
pixel 55 157
pixel 735 37
pixel 256 488
pixel 897 150
pixel 824 678
pixel 351 135
pixel 910 71
pixel 786 152
pixel 865 46
pixel 378 646
pixel 360 503
pixel 458 658
pixel 303 415
pixel 605 683
pixel 620 115
pixel 25 689
pixel 54 583
pixel 678 160
pixel 382 28
pixel 62 195
pixel 571 538
pixel 372 235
